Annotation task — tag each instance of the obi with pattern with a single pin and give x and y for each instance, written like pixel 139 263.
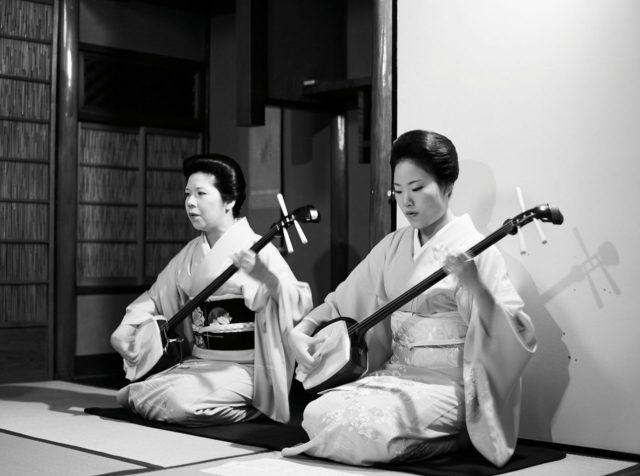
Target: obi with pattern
pixel 434 341
pixel 224 325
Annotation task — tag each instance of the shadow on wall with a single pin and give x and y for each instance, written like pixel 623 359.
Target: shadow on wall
pixel 593 262
pixel 547 375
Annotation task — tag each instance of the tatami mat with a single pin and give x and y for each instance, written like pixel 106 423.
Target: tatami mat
pixel 44 430
pixel 54 411
pixel 25 457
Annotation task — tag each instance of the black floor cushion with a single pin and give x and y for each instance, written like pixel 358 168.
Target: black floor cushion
pixel 267 434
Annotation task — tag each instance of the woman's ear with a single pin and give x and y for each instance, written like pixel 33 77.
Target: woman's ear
pixel 229 205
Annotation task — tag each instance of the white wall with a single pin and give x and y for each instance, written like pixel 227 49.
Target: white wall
pixel 545 95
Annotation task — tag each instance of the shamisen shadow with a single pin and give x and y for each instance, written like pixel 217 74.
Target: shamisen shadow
pixel 160 346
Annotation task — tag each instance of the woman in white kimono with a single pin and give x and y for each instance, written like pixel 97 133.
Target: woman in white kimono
pixel 238 366
pixel 444 370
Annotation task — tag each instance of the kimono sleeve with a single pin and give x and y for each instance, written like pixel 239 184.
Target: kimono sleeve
pixel 163 298
pixel 358 296
pixel 273 364
pixel 510 332
pixel 294 296
pixel 494 358
pixel 362 291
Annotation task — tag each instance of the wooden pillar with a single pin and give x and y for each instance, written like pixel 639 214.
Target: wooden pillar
pixel 383 120
pixel 66 178
pixel 251 61
pixel 339 202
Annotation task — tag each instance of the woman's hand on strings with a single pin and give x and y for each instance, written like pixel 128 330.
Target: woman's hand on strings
pixel 303 348
pixel 251 263
pixel 123 341
pixel 464 268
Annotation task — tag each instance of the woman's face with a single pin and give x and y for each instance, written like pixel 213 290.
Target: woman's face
pixel 422 201
pixel 205 207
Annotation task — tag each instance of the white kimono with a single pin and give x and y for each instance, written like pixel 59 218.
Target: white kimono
pixel 207 388
pixel 433 369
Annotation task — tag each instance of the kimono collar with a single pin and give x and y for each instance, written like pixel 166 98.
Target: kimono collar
pixel 456 236
pixel 228 242
pixel 209 262
pixel 451 237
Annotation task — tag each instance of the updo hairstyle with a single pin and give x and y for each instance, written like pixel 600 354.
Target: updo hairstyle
pixel 228 176
pixel 432 152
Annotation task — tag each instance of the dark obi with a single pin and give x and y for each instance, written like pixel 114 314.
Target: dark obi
pixel 224 325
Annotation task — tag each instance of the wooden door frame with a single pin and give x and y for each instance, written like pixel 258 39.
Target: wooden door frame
pixel 66 184
pixel 383 119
